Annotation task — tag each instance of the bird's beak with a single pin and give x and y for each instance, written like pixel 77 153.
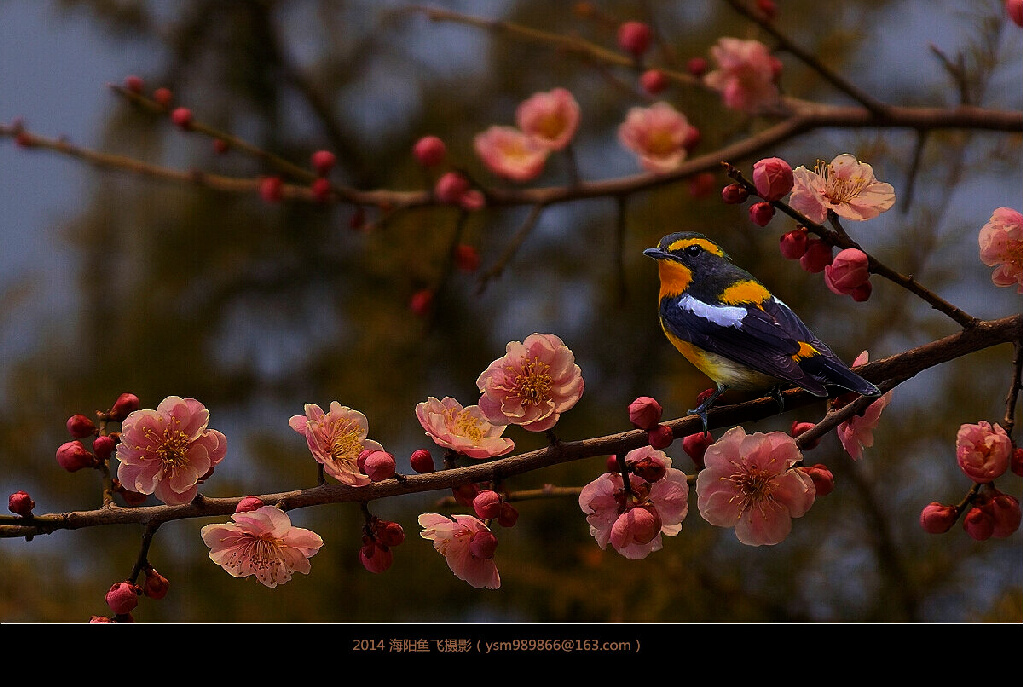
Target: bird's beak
pixel 656 253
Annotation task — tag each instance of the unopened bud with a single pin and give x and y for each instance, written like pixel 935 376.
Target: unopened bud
pixel 122 597
pixel 487 504
pixel 20 503
pixel 80 426
pixel 125 405
pixel 422 461
pixel 156 585
pixel 645 412
pixel 247 504
pixel 483 545
pixel 660 436
pixel 937 518
pixel 429 151
pixel 379 465
pixel 73 456
pixel 103 446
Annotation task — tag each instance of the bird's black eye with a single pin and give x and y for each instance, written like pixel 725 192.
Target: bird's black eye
pixel 693 250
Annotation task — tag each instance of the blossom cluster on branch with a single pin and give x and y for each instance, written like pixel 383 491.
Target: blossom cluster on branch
pixel 755 483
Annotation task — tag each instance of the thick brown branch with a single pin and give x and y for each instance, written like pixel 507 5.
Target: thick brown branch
pixel 895 369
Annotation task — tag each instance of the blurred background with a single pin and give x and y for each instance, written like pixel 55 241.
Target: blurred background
pixel 113 283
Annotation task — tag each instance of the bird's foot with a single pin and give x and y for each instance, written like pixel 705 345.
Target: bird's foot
pixel 704 408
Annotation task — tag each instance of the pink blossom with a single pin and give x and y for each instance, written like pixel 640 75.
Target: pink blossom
pixel 657 135
pixel 633 523
pixel 751 483
pixel 848 272
pixel 1001 245
pixel 857 432
pixel 983 451
pixel 263 543
pixel 535 381
pixel 746 74
pixel 465 430
pixel 336 439
pixel 453 537
pixel 510 153
pixel 170 450
pixel 844 185
pixel 550 118
pixel 773 178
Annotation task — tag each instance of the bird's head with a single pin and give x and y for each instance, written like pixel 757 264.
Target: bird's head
pixel 681 255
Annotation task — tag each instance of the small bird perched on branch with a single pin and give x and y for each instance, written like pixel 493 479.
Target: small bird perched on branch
pixel 728 325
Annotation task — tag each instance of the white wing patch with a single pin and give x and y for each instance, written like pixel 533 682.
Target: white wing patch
pixel 722 315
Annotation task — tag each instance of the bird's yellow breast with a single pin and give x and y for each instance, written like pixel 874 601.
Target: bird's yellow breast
pixel 720 369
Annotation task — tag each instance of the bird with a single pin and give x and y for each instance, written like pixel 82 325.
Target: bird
pixel 730 326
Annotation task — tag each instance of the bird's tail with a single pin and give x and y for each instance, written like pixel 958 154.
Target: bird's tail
pixel 834 372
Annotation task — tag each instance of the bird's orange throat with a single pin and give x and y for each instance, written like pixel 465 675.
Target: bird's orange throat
pixel 675 278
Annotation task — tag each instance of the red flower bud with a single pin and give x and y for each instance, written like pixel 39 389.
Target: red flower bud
pixel 220 146
pixel 793 244
pixel 376 559
pixel 823 479
pixel 697 66
pixel 421 302
pixel 653 81
pixel 163 97
pixel 323 161
pixel 695 445
pixel 321 190
pixel 73 456
pixel 487 504
pixel 634 37
pixel 979 524
pixel 767 8
pixel 691 139
pixel 660 436
pixel 1014 8
pixel 20 503
pixel 389 533
pixel 122 597
pixel 182 118
pixel 847 271
pixel 156 585
pixel 80 426
pixel 702 184
pixel 649 470
pixel 734 193
pixel 1017 461
pixel 133 84
pixel 422 461
pixel 103 447
pixel 466 258
pixel 379 466
pixel 271 189
pixel 1006 513
pixel 773 178
pixel 817 256
pixel 483 544
pixel 247 504
pixel 450 188
pixel 761 213
pixel 937 518
pixel 125 405
pixel 465 493
pixel 800 427
pixel 645 412
pixel 429 151
pixel 508 515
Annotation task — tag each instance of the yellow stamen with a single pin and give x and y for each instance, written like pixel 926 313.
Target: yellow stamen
pixel 533 382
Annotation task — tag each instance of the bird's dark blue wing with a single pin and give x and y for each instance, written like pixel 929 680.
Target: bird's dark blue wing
pixel 746 334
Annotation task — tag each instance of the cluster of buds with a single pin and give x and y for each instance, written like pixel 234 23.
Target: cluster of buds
pixel 645 413
pixel 73 455
pixel 379 537
pixel 984 453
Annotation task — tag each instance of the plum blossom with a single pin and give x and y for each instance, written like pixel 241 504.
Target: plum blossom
pixel 550 118
pixel 453 538
pixel 750 482
pixel 633 523
pixel 535 381
pixel 510 153
pixel 745 75
pixel 848 274
pixel 857 432
pixel 657 135
pixel 983 451
pixel 465 430
pixel 1001 247
pixel 264 543
pixel 844 185
pixel 170 450
pixel 336 439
